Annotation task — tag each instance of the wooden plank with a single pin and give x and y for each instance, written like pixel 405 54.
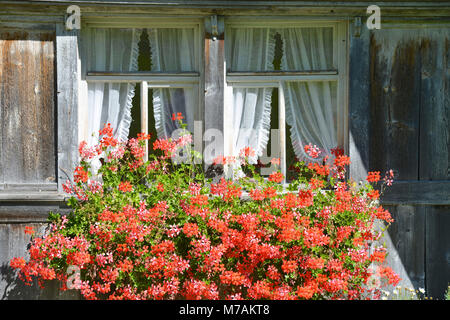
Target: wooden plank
pixel 16 211
pixel 11 287
pixel 294 9
pixel 27 100
pixel 437 250
pixel 435 107
pixel 359 104
pixel 407 235
pixel 17 187
pixel 214 92
pixel 418 193
pixel 395 103
pixel 67 101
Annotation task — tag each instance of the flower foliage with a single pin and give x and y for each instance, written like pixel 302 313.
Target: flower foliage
pixel 160 230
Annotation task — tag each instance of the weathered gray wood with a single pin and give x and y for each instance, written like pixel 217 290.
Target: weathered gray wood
pixel 417 193
pixel 13 243
pixel 437 250
pixel 407 235
pixel 32 196
pixel 31 211
pixel 27 101
pixel 395 103
pixel 359 104
pixel 435 107
pixel 67 58
pixel 214 89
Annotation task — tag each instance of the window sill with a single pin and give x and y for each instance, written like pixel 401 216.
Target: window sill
pixel 52 196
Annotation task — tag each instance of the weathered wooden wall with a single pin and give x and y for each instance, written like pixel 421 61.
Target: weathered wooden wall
pixel 27 114
pixel 410 133
pixel 399 104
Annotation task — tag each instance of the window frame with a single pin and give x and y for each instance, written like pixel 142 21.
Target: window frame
pixel 272 79
pixel 146 79
pixel 276 79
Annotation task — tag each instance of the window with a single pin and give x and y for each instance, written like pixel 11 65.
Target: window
pixel 111 66
pixel 302 65
pixel 310 84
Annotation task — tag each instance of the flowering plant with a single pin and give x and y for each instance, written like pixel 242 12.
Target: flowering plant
pixel 158 229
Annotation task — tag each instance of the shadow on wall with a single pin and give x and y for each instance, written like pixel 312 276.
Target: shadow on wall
pixel 16 289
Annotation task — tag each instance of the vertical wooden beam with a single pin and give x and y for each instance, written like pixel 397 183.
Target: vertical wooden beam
pixel 434 158
pixel 216 117
pixel 67 59
pixel 437 250
pixel 144 114
pixel 406 246
pixel 359 104
pixel 214 85
pixel 395 102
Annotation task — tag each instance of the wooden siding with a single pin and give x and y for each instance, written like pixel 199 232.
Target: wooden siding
pixel 13 243
pixel 27 115
pixel 410 133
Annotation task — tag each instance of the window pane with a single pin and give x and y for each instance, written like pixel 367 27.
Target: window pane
pixel 109 103
pixel 311 111
pixel 110 49
pixel 250 49
pixel 175 100
pixel 307 49
pixel 173 50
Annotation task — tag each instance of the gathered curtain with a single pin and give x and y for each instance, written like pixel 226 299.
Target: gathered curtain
pixel 251 49
pixel 173 50
pixel 115 50
pixel 311 107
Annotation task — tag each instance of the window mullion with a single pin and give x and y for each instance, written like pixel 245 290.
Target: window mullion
pixel 282 128
pixel 144 114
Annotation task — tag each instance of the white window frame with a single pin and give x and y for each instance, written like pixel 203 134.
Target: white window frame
pixel 276 79
pixel 146 79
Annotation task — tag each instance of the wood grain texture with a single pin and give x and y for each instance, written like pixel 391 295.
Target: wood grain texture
pixel 67 60
pixel 407 234
pixel 418 193
pixel 214 90
pixel 395 104
pixel 13 243
pixel 27 107
pixel 359 104
pixel 437 250
pixel 435 108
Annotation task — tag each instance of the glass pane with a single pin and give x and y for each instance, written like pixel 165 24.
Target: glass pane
pixel 303 49
pixel 168 101
pixel 311 111
pixel 173 49
pixel 307 49
pixel 250 49
pixel 110 49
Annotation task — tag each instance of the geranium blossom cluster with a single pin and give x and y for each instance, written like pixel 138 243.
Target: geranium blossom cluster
pixel 156 230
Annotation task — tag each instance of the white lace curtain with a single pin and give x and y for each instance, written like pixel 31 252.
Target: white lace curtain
pixel 116 50
pixel 251 49
pixel 310 106
pixel 173 50
pixel 113 49
pixel 110 50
